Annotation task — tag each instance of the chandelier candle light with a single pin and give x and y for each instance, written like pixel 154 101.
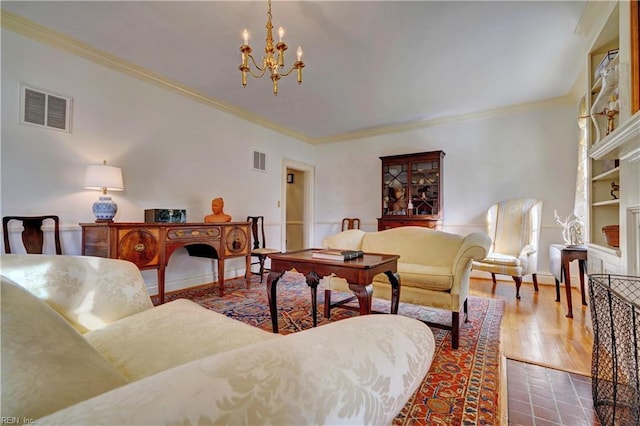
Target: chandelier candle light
pixel 269 61
pixel 103 177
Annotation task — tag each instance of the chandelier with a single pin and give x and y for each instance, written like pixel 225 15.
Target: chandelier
pixel 269 61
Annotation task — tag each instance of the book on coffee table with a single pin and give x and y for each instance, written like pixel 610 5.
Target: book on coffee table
pixel 337 254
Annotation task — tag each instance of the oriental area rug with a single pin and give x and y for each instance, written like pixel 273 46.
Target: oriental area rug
pixel 462 385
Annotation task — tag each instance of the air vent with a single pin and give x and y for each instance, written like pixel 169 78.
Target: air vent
pixel 259 161
pixel 40 108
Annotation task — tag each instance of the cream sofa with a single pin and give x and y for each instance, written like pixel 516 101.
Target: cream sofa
pixel 434 267
pixel 83 344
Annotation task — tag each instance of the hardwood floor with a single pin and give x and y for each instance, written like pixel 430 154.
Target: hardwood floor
pixel 534 329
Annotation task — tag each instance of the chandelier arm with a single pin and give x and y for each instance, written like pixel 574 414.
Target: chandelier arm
pixel 255 64
pixel 262 71
pixel 288 72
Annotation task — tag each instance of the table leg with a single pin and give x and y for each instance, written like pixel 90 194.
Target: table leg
pixel 557 290
pixel 161 284
pixel 272 282
pixel 221 277
pixel 247 273
pixel 394 279
pixel 583 268
pixel 312 281
pixel 364 294
pixel 567 285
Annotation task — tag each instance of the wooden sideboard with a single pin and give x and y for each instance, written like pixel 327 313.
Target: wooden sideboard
pixel 150 245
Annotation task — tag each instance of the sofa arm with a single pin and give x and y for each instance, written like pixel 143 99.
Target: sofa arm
pixel 89 292
pixel 346 240
pixel 475 246
pixel 359 371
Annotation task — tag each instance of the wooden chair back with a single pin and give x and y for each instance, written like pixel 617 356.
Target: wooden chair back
pixel 257 231
pixel 32 235
pixel 350 223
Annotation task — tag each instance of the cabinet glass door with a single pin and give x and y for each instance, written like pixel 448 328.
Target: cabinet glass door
pixel 425 184
pixel 394 189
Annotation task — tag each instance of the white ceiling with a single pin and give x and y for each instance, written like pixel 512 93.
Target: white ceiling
pixel 369 64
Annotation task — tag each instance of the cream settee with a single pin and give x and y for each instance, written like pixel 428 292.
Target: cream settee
pixel 434 267
pixel 83 344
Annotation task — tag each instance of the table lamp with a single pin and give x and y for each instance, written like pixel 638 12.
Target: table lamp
pixel 103 177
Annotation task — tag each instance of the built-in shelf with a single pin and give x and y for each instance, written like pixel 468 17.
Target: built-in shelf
pixel 623 142
pixel 615 202
pixel 608 175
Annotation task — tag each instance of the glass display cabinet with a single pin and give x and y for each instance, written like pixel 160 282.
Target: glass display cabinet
pixel 412 190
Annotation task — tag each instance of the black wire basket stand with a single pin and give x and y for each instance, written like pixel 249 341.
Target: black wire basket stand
pixel 615 369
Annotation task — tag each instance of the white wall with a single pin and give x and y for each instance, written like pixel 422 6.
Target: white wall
pixel 177 153
pixel 529 151
pixel 174 152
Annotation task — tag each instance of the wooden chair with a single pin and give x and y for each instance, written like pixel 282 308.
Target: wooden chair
pixel 350 223
pixel 32 235
pixel 259 248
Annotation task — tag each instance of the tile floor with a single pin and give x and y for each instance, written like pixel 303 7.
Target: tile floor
pixel 544 396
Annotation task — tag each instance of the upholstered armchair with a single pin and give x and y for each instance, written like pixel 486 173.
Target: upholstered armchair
pixel 514 228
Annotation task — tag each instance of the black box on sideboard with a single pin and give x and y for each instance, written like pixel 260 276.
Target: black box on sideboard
pixel 165 215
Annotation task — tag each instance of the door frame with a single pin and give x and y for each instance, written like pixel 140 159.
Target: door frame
pixel 307 218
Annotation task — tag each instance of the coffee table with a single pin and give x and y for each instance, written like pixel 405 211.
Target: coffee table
pixel 358 273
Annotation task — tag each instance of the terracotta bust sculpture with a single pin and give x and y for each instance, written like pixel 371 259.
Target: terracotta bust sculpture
pixel 217 204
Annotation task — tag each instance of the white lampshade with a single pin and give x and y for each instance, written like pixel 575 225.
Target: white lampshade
pixel 101 176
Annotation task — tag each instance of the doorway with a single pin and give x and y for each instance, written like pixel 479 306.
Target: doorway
pixel 297 209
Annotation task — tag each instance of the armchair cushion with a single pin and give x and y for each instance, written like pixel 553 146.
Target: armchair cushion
pixel 501 259
pixel 40 348
pixel 89 294
pixel 154 340
pixel 437 278
pixel 356 371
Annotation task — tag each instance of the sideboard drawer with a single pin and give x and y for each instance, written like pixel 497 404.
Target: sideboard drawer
pixel 139 245
pixel 193 234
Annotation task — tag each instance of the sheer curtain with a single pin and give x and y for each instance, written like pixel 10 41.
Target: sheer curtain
pixel 580 200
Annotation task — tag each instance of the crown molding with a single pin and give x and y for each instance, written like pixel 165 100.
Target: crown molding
pixel 62 42
pixel 593 18
pixel 416 125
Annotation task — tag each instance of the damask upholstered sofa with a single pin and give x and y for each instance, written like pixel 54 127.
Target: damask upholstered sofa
pixel 83 344
pixel 434 267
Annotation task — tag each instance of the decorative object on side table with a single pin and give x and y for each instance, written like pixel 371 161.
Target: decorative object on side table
pixel 218 215
pixel 573 229
pixel 103 177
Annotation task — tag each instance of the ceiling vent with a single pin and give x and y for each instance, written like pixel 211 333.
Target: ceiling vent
pixel 43 109
pixel 259 161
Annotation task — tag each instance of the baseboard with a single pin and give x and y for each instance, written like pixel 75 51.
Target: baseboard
pixel 190 282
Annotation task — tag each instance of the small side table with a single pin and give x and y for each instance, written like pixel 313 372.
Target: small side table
pixel 560 256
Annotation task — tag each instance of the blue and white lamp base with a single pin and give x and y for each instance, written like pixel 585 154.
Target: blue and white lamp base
pixel 105 209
